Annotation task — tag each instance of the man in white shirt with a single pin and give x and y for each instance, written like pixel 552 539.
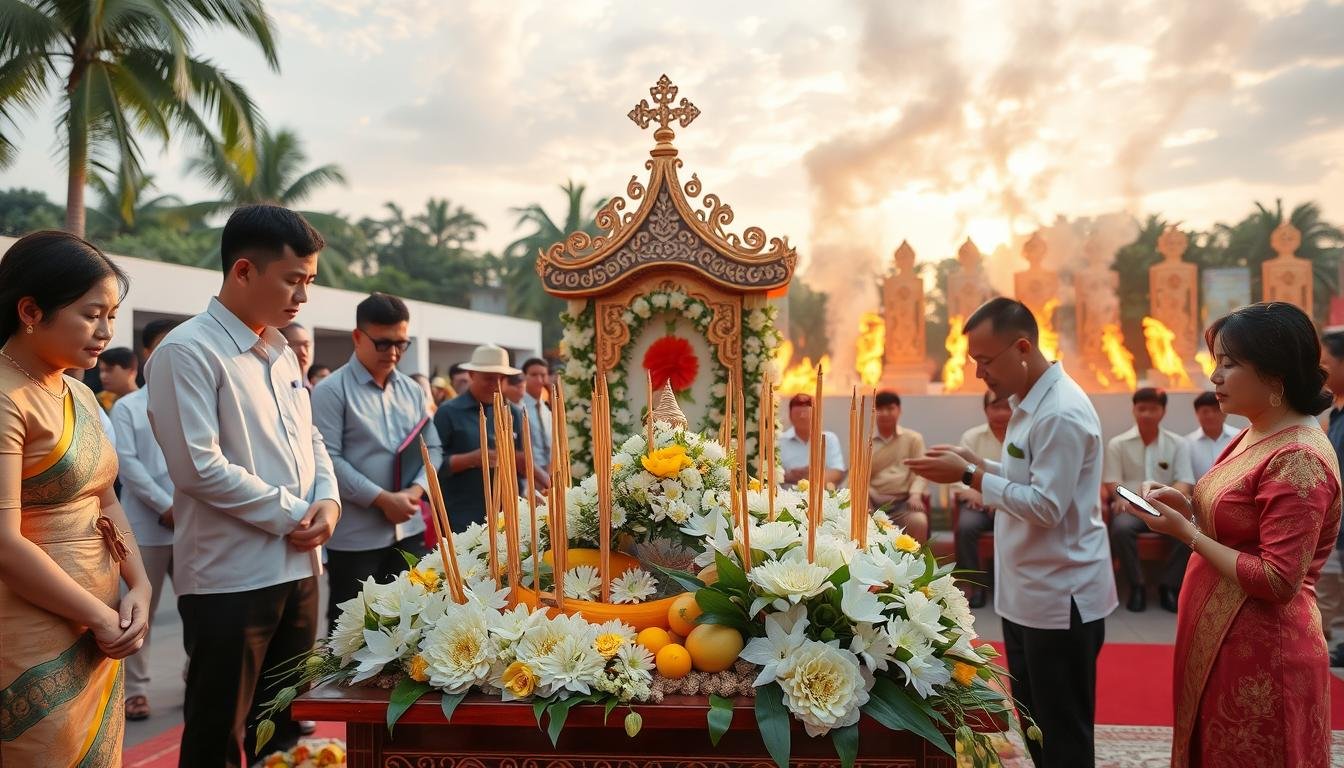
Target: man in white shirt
pixel 793 445
pixel 1208 441
pixel 536 380
pixel 301 342
pixel 254 496
pixel 1052 564
pixel 147 497
pixel 974 518
pixel 1146 452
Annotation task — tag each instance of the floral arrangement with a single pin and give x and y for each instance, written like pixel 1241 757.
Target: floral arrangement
pixel 672 359
pixel 760 340
pixel 309 754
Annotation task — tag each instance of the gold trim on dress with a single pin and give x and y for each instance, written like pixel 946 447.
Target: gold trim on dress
pixel 62 445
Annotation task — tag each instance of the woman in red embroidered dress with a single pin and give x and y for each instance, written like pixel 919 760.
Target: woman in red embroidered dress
pixel 1252 669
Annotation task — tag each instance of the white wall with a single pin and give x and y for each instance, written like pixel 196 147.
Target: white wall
pixel 441 335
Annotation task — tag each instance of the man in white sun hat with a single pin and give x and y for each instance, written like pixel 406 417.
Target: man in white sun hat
pixel 457 421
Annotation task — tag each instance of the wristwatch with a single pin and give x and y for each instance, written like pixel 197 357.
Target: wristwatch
pixel 968 475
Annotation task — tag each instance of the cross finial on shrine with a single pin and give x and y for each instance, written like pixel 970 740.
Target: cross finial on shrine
pixel 664 93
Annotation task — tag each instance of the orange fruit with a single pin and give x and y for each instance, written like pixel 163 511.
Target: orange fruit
pixel 673 661
pixel 681 615
pixel 653 639
pixel 675 638
pixel 709 575
pixel 713 647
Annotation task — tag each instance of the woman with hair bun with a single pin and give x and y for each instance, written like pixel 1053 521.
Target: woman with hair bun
pixel 1252 670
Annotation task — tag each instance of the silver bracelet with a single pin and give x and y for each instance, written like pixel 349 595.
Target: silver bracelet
pixel 1195 537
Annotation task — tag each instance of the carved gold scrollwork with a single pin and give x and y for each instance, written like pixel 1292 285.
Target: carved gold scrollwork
pixel 723 333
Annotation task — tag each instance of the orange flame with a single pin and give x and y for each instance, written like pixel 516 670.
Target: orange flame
pixel 799 377
pixel 1121 359
pixel 1158 338
pixel 1049 336
pixel 1206 362
pixel 954 370
pixel 868 348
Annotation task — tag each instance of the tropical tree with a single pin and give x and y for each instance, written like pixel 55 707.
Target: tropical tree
pixel 425 255
pixel 109 216
pixel 448 227
pixel 274 173
pixel 517 267
pixel 122 67
pixel 1247 245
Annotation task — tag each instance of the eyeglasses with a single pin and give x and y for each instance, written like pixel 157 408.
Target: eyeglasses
pixel 382 345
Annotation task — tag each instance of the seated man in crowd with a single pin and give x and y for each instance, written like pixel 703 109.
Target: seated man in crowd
pixel 892 487
pixel 974 518
pixel 793 445
pixel 1146 452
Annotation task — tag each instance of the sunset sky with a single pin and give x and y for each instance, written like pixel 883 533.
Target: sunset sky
pixel 845 126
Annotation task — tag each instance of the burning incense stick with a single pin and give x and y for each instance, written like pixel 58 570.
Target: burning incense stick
pixel 442 531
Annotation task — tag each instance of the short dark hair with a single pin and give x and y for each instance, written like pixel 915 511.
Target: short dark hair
pixel 315 367
pixel 286 329
pixel 1206 400
pixel 155 330
pixel 514 379
pixel 121 357
pixel 886 397
pixel 455 369
pixel 1333 341
pixel 54 269
pixel 1150 395
pixel 1005 314
pixel 261 232
pixel 989 399
pixel 531 361
pixel 381 309
pixel 1279 341
pixel 800 400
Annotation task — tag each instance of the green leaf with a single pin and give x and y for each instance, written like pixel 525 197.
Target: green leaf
pixel 411 560
pixel 720 717
pixel 731 576
pixel 538 707
pixel 449 704
pixel 846 743
pixel 772 720
pixel 612 703
pixel 712 601
pixel 839 578
pixel 891 706
pixel 724 619
pixel 559 712
pixel 406 693
pixel 686 580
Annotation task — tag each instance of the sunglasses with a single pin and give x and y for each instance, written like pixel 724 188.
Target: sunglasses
pixel 382 345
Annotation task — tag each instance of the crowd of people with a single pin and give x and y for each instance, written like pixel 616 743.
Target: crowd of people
pixel 243 470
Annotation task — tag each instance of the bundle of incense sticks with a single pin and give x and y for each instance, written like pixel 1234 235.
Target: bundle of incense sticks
pixel 491 518
pixel 507 496
pixel 861 456
pixel 649 418
pixel 560 475
pixel 726 428
pixel 741 476
pixel 529 470
pixel 442 530
pixel 602 449
pixel 816 448
pixel 765 444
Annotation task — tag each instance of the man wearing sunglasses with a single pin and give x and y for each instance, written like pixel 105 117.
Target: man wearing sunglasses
pixel 365 410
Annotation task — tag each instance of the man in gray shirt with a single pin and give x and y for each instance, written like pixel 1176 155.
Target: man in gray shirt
pixel 365 410
pixel 254 494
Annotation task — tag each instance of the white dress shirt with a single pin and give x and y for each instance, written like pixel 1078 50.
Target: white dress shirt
pixel 233 418
pixel 1129 462
pixel 539 422
pixel 793 452
pixel 146 490
pixel 1049 539
pixel 1205 450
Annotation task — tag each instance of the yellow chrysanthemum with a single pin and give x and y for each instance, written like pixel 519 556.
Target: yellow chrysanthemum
pixel 907 543
pixel 803 485
pixel 519 679
pixel 666 462
pixel 608 644
pixel 425 577
pixel 330 755
pixel 755 484
pixel 963 673
pixel 419 670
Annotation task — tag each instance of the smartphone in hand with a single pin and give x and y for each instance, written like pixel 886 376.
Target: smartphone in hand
pixel 1136 501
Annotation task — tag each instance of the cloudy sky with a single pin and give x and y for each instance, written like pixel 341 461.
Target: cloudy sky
pixel 845 126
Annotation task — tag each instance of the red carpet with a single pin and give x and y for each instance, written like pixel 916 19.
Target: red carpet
pixel 1134 686
pixel 161 751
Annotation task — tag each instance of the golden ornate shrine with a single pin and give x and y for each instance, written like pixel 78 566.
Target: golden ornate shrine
pixel 675 240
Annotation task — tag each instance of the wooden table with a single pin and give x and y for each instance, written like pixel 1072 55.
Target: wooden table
pixel 488 733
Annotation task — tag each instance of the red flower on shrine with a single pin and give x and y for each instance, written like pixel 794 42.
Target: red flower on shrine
pixel 672 358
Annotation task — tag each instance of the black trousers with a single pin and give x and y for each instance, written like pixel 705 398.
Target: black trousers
pixel 1055 680
pixel 346 571
pixel 234 640
pixel 972 523
pixel 1125 530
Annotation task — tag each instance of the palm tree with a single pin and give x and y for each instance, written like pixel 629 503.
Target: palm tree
pixel 122 67
pixel 1247 244
pixel 273 175
pixel 111 215
pixel 526 297
pixel 446 226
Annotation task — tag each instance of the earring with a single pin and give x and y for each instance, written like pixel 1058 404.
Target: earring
pixel 30 329
pixel 1275 401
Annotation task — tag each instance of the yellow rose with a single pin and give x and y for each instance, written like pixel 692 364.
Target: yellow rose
pixel 803 485
pixel 608 644
pixel 963 673
pixel 425 577
pixel 520 680
pixel 418 668
pixel 666 462
pixel 907 543
pixel 330 755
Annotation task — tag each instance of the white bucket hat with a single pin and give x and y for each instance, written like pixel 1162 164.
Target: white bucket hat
pixel 489 358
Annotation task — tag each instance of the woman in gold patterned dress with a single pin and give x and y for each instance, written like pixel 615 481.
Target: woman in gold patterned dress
pixel 1252 670
pixel 63 629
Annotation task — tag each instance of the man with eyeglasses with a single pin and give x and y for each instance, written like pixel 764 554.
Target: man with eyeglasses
pixel 301 342
pixel 365 410
pixel 1054 586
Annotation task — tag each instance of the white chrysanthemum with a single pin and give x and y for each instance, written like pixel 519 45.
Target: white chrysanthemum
pixel 634 586
pixel 924 671
pixel 640 307
pixel 572 665
pixel 634 445
pixel 714 451
pixel 658 300
pixel 483 592
pixel 385 645
pixel 348 634
pixel 895 570
pixel 690 478
pixel 388 600
pixel 774 537
pixel 470 539
pixel 582 583
pixel 794 579
pixel 824 687
pixel 835 551
pixel 458 650
pixel 872 645
pixel 509 626
pixel 676 299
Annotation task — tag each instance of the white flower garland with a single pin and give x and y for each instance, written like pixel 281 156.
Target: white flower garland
pixel 759 342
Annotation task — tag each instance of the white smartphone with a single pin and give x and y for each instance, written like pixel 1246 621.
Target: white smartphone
pixel 1136 500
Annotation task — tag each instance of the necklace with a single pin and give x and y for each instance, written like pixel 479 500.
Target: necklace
pixel 24 371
